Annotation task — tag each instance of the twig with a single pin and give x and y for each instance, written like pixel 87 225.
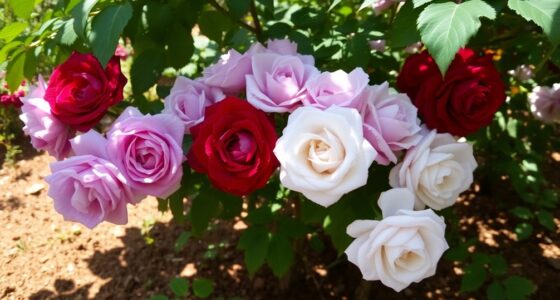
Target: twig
pixel 219 8
pixel 257 23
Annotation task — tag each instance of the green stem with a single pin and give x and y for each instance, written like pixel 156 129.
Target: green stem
pixel 257 23
pixel 219 8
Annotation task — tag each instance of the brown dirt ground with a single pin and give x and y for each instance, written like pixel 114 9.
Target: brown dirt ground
pixel 44 257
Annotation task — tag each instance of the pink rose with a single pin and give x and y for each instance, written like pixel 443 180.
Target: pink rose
pixel 188 99
pixel 337 88
pixel 46 132
pixel 277 83
pixel 147 150
pixel 377 45
pixel 390 123
pixel 545 103
pixel 287 47
pixel 229 72
pixel 88 188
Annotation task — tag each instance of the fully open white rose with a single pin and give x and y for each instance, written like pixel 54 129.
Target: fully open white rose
pixel 402 248
pixel 323 154
pixel 436 170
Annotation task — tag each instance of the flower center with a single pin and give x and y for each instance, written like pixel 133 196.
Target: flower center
pixel 325 152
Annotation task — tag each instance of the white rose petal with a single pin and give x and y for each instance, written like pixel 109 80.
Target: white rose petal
pixel 402 248
pixel 323 154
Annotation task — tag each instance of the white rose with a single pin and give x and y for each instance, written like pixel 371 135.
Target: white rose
pixel 323 154
pixel 402 248
pixel 436 170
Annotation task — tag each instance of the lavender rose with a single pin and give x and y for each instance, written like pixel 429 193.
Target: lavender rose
pixel 337 88
pixel 390 123
pixel 147 149
pixel 88 188
pixel 46 131
pixel 188 100
pixel 277 83
pixel 545 103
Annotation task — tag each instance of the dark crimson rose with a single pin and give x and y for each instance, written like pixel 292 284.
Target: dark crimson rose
pixel 80 92
pixel 462 102
pixel 233 146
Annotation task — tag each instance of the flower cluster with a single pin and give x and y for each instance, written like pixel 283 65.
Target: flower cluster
pixel 338 126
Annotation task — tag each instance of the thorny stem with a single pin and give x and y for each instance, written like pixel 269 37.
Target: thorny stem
pixel 219 8
pixel 257 23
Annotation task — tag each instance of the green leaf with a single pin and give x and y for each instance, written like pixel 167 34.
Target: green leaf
pixel 204 207
pixel 255 242
pixel 179 286
pixel 446 27
pixel 518 288
pixel 213 25
pixel 334 4
pixel 7 49
pixel 523 231
pixel 159 297
pixel 14 74
pixel 180 45
pixel 176 206
pixel 65 34
pixel 546 219
pixel 81 13
pixel 418 3
pixel 11 31
pixel 366 3
pixel 404 31
pixel 545 13
pixel 238 8
pixel 163 205
pixel 458 253
pixel 474 277
pixel 498 265
pixel 280 255
pixel 496 291
pixel 182 240
pixel 22 8
pixel 146 70
pixel 106 28
pixel 30 67
pixel 203 287
pixel 522 212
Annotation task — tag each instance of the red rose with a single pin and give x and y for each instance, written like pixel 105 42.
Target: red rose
pixel 462 102
pixel 80 92
pixel 233 146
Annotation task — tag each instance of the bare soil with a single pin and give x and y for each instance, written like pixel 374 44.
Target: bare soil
pixel 44 257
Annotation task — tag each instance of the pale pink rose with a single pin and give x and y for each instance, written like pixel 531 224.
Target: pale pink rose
pixel 377 45
pixel 46 131
pixel 88 188
pixel 147 150
pixel 188 100
pixel 380 6
pixel 277 82
pixel 545 103
pixel 413 48
pixel 390 123
pixel 229 72
pixel 287 47
pixel 337 88
pixel 523 72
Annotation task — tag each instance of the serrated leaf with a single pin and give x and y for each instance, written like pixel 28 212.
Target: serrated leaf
pixel 66 34
pixel 280 255
pixel 179 286
pixel 11 31
pixel 180 45
pixel 7 49
pixel 446 27
pixel 518 288
pixel 81 13
pixel 474 277
pixel 106 28
pixel 546 219
pixel 418 3
pixel 14 74
pixel 146 70
pixel 22 8
pixel 404 31
pixel 213 25
pixel 203 287
pixel 255 242
pixel 496 291
pixel 545 13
